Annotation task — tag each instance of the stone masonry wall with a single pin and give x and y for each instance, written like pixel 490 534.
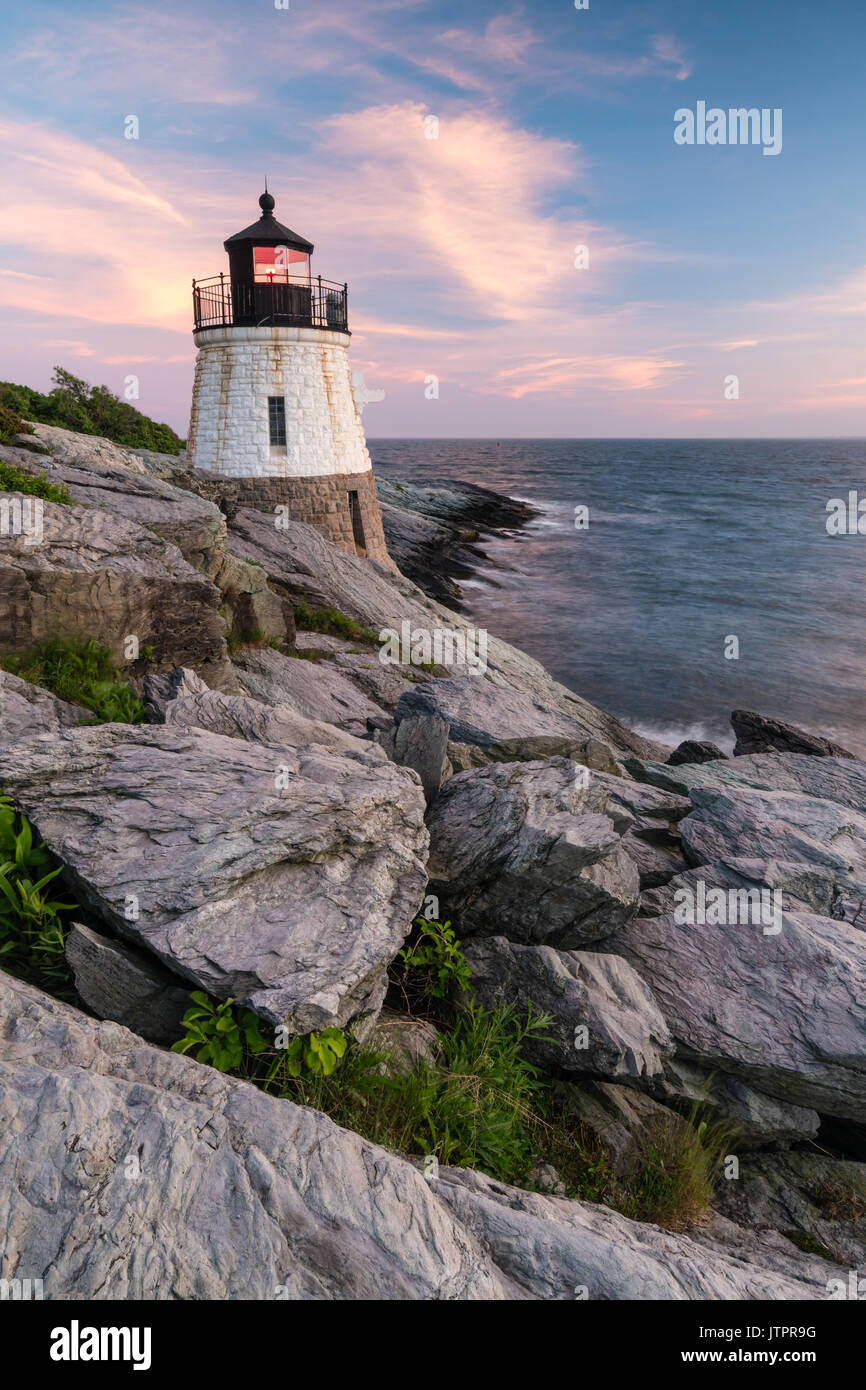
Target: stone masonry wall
pixel 322 502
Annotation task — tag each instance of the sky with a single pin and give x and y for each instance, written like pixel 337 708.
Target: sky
pixel 448 160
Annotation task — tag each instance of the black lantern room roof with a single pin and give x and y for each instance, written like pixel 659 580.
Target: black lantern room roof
pixel 268 231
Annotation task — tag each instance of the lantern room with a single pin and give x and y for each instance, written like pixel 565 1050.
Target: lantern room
pixel 267 252
pixel 270 282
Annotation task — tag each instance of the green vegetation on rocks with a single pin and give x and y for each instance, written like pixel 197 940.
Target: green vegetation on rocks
pixel 14 479
pixel 33 926
pixel 74 405
pixel 332 621
pixel 80 671
pixel 11 424
pixel 479 1103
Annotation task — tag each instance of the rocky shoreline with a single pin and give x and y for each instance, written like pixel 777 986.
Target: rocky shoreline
pixel 436 533
pixel 693 925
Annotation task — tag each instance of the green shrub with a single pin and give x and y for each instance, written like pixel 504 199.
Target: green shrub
pixel 433 963
pixel 14 479
pixel 32 928
pixel 471 1107
pixel 74 405
pixel 77 669
pixel 248 637
pixel 11 424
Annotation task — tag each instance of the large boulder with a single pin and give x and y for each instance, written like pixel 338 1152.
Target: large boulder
pixel 161 687
pixel 493 723
pixel 648 819
pixel 315 689
pixel 692 751
pixel 756 1119
pixel 101 575
pixel 282 875
pixel 603 1019
pixel 561 1249
pixel 27 709
pixel 814 838
pixel 782 1010
pixel 518 849
pixel 238 716
pixel 758 734
pixel 182 1183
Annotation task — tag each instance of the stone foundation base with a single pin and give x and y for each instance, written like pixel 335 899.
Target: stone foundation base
pixel 343 506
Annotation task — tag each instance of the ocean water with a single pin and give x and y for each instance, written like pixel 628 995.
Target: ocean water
pixel 689 543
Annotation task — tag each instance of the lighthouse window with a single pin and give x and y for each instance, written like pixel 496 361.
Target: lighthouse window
pixel 277 420
pixel 279 265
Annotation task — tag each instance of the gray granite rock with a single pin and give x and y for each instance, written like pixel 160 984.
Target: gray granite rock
pixel 566 1250
pixel 97 473
pixel 238 716
pixel 783 1012
pixel 692 751
pixel 126 986
pixel 515 849
pixel 604 1020
pixel 27 709
pixel 758 734
pixel 821 842
pixel 160 687
pixel 130 1173
pixel 756 1119
pixel 831 779
pixel 317 690
pixel 283 876
pixel 99 574
pixel 420 741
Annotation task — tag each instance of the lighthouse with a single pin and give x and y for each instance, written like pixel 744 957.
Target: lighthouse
pixel 276 409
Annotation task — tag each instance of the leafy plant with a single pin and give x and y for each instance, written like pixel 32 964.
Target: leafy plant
pixel 437 953
pixel 233 1041
pixel 219 1034
pixel 32 932
pixel 77 669
pixel 317 1053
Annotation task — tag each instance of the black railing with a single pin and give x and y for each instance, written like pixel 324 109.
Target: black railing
pixel 220 302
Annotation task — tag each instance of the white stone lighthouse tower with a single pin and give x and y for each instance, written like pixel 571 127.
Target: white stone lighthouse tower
pixel 275 407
